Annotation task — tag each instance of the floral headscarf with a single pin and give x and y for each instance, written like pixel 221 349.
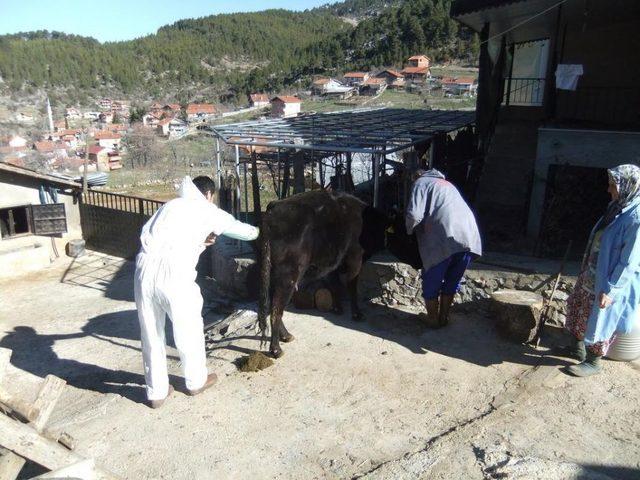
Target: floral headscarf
pixel 627 180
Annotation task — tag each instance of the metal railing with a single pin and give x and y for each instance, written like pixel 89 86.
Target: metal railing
pixel 124 203
pixel 523 91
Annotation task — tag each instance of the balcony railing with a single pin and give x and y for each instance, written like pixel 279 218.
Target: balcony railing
pixel 523 91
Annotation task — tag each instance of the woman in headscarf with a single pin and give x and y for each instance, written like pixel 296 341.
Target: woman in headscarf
pixel 606 298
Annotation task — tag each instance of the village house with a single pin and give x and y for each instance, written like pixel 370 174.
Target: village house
pixel 152 118
pixel 117 128
pixel 373 86
pixel 107 139
pixel 163 127
pixel 418 61
pixel 91 115
pixel 106 117
pixel 105 104
pixel 550 118
pixel 459 85
pixel 172 108
pixel 416 74
pixel 70 137
pixel 355 79
pixel 259 100
pixel 30 233
pixel 200 112
pixel 73 113
pixel 99 156
pixel 285 106
pixel 177 127
pixel 392 78
pixel 331 87
pixel 50 148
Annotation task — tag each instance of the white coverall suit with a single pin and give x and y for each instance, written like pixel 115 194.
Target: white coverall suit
pixel 172 241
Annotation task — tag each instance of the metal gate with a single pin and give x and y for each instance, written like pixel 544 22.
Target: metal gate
pixel 111 222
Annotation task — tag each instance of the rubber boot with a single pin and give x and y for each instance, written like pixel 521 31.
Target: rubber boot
pixel 575 350
pixel 445 305
pixel 591 366
pixel 431 317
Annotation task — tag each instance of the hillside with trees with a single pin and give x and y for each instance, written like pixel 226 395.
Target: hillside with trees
pixel 238 53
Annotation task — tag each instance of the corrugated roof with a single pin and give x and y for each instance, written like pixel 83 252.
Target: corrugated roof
pixel 463 7
pixel 27 172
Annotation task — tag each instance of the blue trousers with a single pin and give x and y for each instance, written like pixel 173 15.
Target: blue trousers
pixel 444 278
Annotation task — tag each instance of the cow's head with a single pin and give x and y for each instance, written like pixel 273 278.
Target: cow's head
pixel 374 225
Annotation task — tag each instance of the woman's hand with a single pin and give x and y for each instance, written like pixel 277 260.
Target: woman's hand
pixel 605 300
pixel 210 240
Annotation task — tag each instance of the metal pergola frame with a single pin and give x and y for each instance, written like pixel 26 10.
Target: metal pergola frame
pixel 372 131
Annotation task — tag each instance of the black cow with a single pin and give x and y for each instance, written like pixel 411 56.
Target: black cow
pixel 310 236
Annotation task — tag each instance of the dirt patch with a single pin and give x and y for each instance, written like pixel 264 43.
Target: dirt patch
pixel 254 362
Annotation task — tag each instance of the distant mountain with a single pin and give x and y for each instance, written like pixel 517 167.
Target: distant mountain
pixel 237 53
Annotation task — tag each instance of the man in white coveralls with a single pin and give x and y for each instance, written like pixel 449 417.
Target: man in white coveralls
pixel 172 241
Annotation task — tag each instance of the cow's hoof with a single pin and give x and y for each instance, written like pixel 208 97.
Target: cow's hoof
pixel 277 353
pixel 287 338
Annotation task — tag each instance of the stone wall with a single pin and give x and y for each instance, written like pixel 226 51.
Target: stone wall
pixel 390 283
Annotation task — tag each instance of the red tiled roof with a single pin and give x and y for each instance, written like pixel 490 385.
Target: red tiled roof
pixel 415 70
pixel 374 81
pixel 259 97
pixel 321 81
pixel 172 106
pixel 458 80
pixel 393 73
pixel 286 99
pixel 68 132
pixel 195 108
pixel 166 121
pixel 95 149
pixel 418 57
pixel 355 74
pixel 46 146
pixel 106 135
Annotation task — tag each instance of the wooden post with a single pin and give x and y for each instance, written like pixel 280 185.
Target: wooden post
pixel 286 177
pixel 298 172
pixel 255 184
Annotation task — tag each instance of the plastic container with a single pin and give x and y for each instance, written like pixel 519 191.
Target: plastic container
pixel 626 347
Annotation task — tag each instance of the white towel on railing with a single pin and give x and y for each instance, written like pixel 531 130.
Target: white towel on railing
pixel 567 76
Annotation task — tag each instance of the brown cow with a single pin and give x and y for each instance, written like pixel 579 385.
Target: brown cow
pixel 307 237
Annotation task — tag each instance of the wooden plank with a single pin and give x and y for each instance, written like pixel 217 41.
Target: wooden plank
pixel 25 441
pixel 5 360
pixel 84 470
pixel 10 464
pixel 50 392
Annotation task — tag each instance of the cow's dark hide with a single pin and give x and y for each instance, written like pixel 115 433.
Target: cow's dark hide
pixel 310 236
pixel 402 245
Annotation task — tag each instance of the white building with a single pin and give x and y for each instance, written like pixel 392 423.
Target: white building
pixel 285 106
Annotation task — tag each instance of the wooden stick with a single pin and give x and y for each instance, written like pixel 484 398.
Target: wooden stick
pixel 84 470
pixel 10 464
pixel 25 441
pixel 48 396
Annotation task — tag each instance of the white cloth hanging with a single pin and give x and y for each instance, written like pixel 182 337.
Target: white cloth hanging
pixel 567 76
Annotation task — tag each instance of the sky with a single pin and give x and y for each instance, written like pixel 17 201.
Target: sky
pixel 114 20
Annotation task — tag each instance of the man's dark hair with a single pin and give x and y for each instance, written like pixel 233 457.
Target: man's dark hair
pixel 205 184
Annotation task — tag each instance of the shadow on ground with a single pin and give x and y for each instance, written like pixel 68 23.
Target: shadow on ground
pixel 34 352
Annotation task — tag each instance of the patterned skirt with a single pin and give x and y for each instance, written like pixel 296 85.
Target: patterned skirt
pixel 579 305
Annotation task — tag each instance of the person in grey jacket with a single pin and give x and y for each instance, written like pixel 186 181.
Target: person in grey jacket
pixel 448 239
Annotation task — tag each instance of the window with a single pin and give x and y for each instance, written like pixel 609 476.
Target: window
pixel 48 219
pixel 525 83
pixel 15 221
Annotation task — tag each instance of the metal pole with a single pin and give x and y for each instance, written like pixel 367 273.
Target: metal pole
pixel 237 212
pixel 376 179
pixel 218 163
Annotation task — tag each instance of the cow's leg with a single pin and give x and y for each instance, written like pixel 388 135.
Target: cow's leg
pixel 350 274
pixel 335 288
pixel 287 280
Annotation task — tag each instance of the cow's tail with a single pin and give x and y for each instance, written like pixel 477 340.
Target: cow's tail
pixel 264 303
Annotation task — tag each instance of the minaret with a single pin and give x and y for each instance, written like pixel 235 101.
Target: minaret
pixel 49 115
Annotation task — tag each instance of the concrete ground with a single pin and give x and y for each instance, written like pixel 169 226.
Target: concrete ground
pixel 383 399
